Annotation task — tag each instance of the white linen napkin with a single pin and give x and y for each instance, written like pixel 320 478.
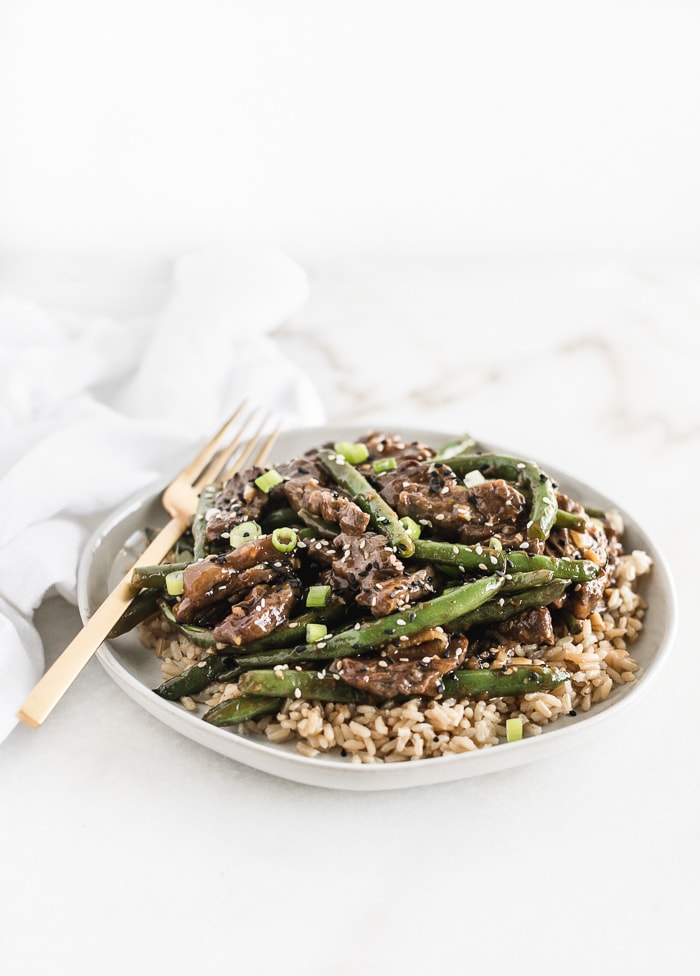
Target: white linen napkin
pixel 94 407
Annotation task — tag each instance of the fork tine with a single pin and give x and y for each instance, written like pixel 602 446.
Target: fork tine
pixel 266 447
pixel 225 466
pixel 193 469
pixel 218 462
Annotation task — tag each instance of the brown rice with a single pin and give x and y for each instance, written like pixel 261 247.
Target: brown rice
pixel 597 658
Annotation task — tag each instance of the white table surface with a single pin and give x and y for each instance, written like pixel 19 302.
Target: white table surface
pixel 129 848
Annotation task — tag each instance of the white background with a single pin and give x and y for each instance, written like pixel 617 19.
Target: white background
pixel 523 176
pixel 379 125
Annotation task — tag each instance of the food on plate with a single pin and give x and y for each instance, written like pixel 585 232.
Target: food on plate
pixel 388 600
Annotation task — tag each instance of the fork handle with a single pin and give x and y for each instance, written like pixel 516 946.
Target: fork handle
pixel 58 678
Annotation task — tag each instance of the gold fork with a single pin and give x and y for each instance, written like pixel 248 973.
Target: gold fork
pixel 214 462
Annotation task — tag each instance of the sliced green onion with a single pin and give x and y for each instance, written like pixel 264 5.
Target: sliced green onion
pixel 494 543
pixel 353 453
pixel 175 583
pixel 284 540
pixel 411 526
pixel 514 729
pixel 318 596
pixel 472 478
pixel 385 464
pixel 243 532
pixel 315 632
pixel 267 481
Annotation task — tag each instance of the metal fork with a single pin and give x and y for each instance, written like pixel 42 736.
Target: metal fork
pixel 227 452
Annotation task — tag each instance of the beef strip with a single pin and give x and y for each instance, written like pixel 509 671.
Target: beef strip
pixel 529 627
pixel 432 494
pixel 367 568
pixel 216 578
pixel 332 505
pixel 405 669
pixel 584 598
pixel 398 592
pixel 599 542
pixel 382 445
pixel 263 609
pixel 238 501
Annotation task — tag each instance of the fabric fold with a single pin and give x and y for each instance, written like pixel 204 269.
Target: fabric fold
pixel 95 407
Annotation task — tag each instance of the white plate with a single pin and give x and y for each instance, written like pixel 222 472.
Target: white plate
pixel 137 671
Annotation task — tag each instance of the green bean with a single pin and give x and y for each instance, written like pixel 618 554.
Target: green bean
pixel 153 577
pixel 142 606
pixel 569 520
pixel 497 683
pixel 315 685
pixel 580 570
pixel 319 686
pixel 452 554
pixel 193 679
pixel 347 643
pixel 544 500
pixel 199 636
pixel 279 518
pixel 199 522
pixel 241 709
pixel 384 518
pixel 464 445
pixel 495 611
pixel 517 582
pixel 321 528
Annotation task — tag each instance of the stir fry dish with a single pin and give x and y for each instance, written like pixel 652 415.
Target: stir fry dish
pixel 385 600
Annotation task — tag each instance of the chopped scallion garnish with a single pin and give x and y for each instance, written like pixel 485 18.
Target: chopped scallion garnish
pixel 318 596
pixel 473 478
pixel 353 453
pixel 284 540
pixel 175 583
pixel 315 632
pixel 243 532
pixel 514 729
pixel 267 481
pixel 384 464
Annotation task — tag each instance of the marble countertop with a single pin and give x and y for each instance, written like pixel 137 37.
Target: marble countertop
pixel 128 846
